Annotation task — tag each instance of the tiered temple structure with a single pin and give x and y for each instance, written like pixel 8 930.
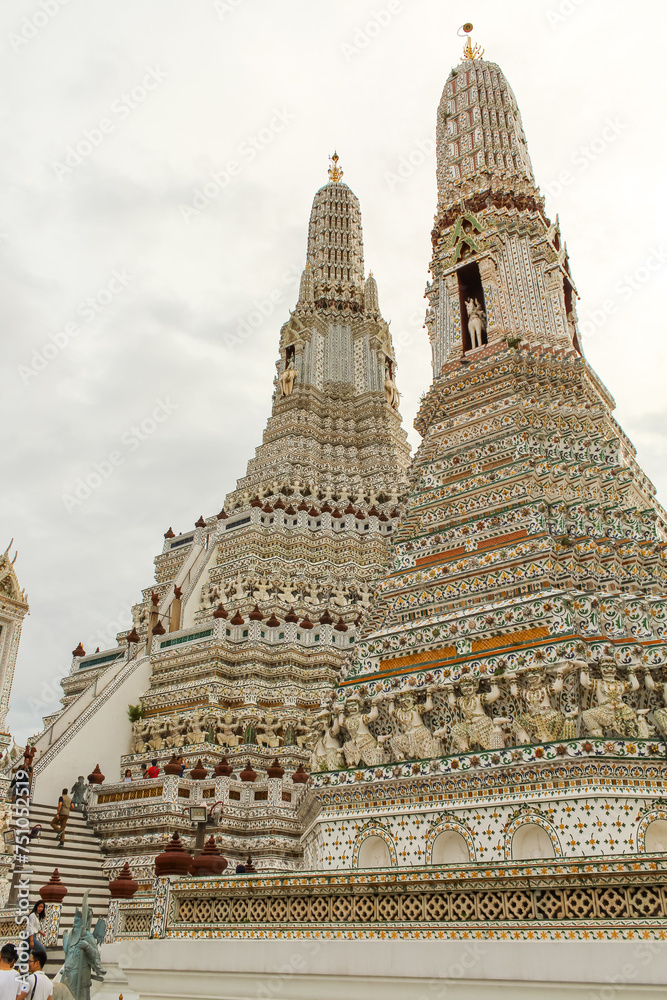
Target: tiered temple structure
pixel 478 690
pixel 252 617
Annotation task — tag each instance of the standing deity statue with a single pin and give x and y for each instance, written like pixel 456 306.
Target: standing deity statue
pixel 476 728
pixel 327 754
pixel 268 736
pixel 476 322
pixel 361 745
pixel 391 392
pixel 295 732
pixel 82 953
pixel 415 741
pixel 612 713
pixel 287 379
pixel 659 714
pixel 541 723
pixel 226 737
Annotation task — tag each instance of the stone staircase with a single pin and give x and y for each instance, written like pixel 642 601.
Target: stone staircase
pixel 79 863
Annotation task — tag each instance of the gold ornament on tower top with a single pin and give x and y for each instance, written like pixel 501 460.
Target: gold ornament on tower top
pixel 335 172
pixel 470 51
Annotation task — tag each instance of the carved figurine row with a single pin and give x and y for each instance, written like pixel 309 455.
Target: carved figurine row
pixel 311 592
pixel 345 739
pixel 202 726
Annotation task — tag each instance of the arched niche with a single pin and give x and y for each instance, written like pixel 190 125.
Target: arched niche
pixel 374 853
pixel 450 848
pixel 531 842
pixel 655 838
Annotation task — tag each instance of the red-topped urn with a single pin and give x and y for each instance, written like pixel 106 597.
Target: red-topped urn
pixel 247 774
pixel 54 891
pixel 198 772
pixel 300 777
pixel 123 886
pixel 96 777
pixel 174 860
pixel 224 769
pixel 210 861
pixel 172 766
pixel 274 770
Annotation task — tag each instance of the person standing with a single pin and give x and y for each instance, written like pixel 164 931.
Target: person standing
pixel 128 775
pixel 34 925
pixel 59 821
pixel 9 980
pixel 39 984
pixel 153 770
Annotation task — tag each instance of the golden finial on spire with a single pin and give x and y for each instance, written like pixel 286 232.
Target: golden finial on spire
pixel 335 172
pixel 470 51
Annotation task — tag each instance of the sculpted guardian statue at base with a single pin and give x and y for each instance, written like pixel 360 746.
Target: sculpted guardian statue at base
pixel 82 953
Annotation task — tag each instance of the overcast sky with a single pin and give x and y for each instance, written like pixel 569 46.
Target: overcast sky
pixel 124 292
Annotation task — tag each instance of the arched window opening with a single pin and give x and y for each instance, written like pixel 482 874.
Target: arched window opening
pixel 531 842
pixel 374 853
pixel 449 848
pixel 655 838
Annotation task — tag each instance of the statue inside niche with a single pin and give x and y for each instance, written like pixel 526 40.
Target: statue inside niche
pixel 476 728
pixel 327 754
pixel 262 592
pixel 391 392
pixel 339 595
pixel 295 732
pixel 311 593
pixel 541 723
pixel 268 737
pixel 227 735
pixel 415 740
pixel 612 713
pixel 286 592
pixel 288 378
pixel 476 322
pixel 362 745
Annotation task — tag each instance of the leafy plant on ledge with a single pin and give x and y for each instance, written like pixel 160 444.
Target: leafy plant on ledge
pixel 135 712
pixel 513 341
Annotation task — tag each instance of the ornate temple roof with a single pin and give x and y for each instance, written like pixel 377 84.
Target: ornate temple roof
pixel 480 140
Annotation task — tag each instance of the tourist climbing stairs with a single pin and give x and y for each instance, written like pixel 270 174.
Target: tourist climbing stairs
pixel 79 864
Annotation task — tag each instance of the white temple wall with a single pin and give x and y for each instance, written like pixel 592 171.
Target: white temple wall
pixel 292 969
pixel 99 735
pixel 567 827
